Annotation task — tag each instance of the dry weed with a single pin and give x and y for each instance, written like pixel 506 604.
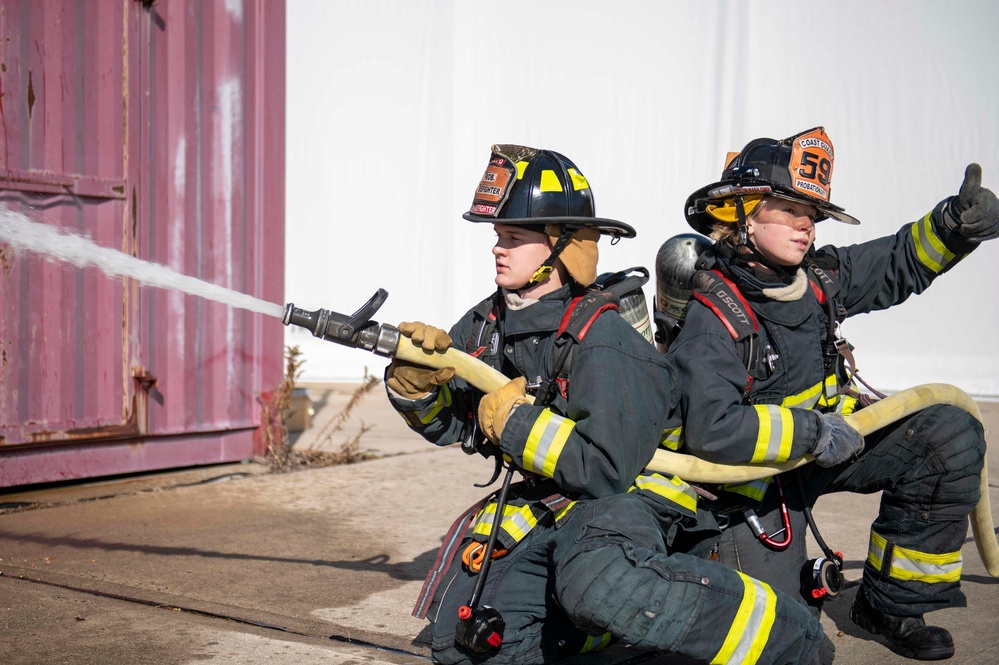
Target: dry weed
pixel 280 455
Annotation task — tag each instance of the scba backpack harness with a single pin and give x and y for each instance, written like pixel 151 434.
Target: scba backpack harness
pixel 720 294
pixel 619 291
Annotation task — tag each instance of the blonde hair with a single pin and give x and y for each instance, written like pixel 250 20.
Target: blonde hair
pixel 723 232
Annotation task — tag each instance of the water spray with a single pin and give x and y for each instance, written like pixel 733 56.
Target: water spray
pixel 54 243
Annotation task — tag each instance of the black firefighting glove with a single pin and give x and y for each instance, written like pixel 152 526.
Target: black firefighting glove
pixel 974 212
pixel 837 442
pixel 414 381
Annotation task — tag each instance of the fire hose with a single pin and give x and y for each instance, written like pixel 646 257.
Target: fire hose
pixel 359 331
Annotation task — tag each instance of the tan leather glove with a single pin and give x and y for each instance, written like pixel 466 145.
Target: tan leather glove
pixel 428 337
pixel 495 407
pixel 414 381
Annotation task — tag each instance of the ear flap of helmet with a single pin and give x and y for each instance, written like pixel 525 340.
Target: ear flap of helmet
pixel 580 255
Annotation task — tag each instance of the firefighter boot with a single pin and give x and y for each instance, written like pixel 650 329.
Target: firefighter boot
pixel 907 636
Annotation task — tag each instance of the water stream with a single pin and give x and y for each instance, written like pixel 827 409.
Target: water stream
pixel 22 233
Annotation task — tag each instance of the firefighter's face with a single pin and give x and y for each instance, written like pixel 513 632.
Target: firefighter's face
pixel 782 230
pixel 518 253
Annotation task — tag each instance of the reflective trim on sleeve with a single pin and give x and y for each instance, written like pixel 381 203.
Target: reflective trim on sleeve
pixel 773 441
pixel 672 438
pixel 596 643
pixel 910 565
pixel 748 635
pixel 673 489
pixel 443 401
pixel 929 247
pixel 545 443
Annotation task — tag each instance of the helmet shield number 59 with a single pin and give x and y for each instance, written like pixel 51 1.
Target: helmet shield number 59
pixel 811 164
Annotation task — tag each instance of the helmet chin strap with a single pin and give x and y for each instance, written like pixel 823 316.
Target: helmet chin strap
pixel 541 274
pixel 784 273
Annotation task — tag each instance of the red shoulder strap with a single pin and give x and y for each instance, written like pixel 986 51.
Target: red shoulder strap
pixel 720 294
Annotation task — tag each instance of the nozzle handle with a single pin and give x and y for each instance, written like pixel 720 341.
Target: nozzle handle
pixel 361 317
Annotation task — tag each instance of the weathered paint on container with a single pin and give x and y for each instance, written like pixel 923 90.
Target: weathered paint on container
pixel 155 128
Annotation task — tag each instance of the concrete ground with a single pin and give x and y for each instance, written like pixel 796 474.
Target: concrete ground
pixel 236 564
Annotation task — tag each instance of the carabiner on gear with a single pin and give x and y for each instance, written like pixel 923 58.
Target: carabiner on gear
pixel 757 528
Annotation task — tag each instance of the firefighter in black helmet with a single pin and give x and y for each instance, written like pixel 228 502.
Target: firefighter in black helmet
pixel 585 529
pixel 788 397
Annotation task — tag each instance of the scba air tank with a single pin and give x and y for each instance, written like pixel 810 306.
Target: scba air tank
pixel 676 263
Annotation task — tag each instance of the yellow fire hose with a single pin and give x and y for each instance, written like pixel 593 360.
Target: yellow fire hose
pixel 694 469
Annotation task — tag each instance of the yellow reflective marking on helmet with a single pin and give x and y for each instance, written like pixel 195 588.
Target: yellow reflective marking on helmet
pixel 578 180
pixel 912 565
pixel 549 181
pixel 521 167
pixel 748 635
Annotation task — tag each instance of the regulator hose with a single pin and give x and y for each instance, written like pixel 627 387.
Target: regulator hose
pixel 696 470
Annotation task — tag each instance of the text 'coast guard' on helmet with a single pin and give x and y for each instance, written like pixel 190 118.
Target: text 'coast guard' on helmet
pixel 532 187
pixel 798 168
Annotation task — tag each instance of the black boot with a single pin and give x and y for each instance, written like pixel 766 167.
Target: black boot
pixel 907 636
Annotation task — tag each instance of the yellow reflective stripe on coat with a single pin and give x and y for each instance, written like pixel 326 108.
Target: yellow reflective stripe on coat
pixel 929 247
pixel 672 438
pixel 776 431
pixel 748 635
pixel 821 394
pixel 849 405
pixel 806 399
pixel 754 490
pixel 672 489
pixel 545 443
pixel 596 643
pixel 443 400
pixel 560 515
pixel 517 521
pixel 915 566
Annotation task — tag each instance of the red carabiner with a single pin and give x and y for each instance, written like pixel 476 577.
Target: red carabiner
pixel 761 533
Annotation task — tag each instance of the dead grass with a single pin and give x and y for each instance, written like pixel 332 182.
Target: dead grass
pixel 280 455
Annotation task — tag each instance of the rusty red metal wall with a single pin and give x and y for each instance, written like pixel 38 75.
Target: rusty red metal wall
pixel 156 129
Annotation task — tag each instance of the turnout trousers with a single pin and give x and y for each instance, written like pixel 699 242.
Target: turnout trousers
pixel 605 574
pixel 928 469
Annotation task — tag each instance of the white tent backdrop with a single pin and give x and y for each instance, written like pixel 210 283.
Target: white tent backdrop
pixel 393 105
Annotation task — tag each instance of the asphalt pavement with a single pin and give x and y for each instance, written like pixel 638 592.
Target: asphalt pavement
pixel 238 564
